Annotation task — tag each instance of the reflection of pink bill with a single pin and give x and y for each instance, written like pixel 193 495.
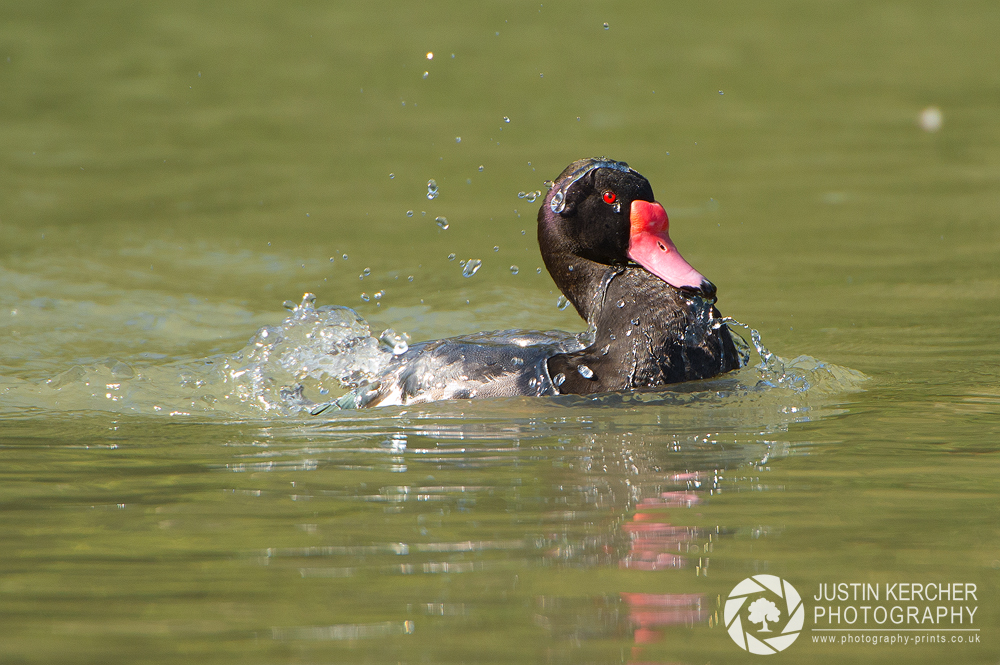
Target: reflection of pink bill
pixel 671 500
pixel 650 610
pixel 654 545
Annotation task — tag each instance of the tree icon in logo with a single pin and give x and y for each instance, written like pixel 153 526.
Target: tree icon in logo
pixel 773 597
pixel 763 610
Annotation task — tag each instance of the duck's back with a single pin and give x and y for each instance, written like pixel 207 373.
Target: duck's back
pixel 488 364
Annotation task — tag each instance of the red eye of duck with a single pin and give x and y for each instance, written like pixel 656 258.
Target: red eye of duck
pixel 609 197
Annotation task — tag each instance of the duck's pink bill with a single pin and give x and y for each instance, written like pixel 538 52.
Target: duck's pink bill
pixel 650 246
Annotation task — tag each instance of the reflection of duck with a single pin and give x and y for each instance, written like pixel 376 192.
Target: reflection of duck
pixel 604 241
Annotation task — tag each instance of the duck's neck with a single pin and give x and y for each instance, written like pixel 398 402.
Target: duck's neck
pixel 582 281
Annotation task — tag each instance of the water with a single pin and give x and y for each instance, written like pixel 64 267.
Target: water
pixel 166 494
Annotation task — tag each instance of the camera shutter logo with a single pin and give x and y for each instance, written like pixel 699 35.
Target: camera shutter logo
pixel 767 600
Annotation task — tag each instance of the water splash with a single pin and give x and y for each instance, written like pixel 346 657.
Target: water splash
pixel 307 349
pixel 772 369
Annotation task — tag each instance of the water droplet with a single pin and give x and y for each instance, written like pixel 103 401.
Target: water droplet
pixel 471 267
pixel 496 248
pixel 364 296
pixel 458 139
pixel 391 176
pixel 531 196
pixel 720 92
pixel 345 257
pixel 480 167
pixel 409 213
pixel 517 361
pixel 432 190
pixel 607 27
pixel 538 271
pixel 463 262
pixel 506 119
pixel 635 322
pixel 442 222
pixel 585 371
pixel 410 278
pixel 571 268
pixel 559 379
pixel 430 55
pixel 378 295
pixel 426 74
pixel 520 195
pixel 558 203
pixel 331 259
pixel 522 231
pixel 367 271
pixel 451 257
pixel 604 351
pixel 394 342
pixel 931 119
pixel 361 276
pixel 628 333
pixel 620 304
pixel 513 270
pixel 562 302
pixel 618 206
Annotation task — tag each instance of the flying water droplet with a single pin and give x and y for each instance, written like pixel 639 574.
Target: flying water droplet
pixel 620 304
pixel 606 26
pixel 570 268
pixel 345 257
pixel 430 55
pixel 559 379
pixel 513 270
pixel 538 271
pixel 517 361
pixel 562 302
pixel 471 267
pixel 409 213
pixel 458 139
pixel 432 190
pixel 442 222
pixel 378 295
pixel 617 206
pixel 331 259
pixel 496 248
pixel 391 176
pixel 426 74
pixel 585 371
pixel 364 296
pixel 410 278
pixel 480 167
pixel 367 271
pixel 506 119
pixel 451 257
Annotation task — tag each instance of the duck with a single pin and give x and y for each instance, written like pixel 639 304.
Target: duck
pixel 652 319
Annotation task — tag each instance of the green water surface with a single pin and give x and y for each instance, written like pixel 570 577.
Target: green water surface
pixel 170 174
